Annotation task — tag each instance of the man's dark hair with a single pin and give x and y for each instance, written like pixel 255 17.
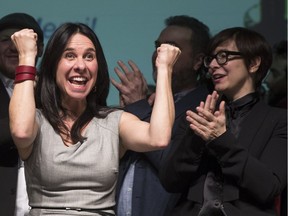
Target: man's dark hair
pixel 199 41
pixel 200 32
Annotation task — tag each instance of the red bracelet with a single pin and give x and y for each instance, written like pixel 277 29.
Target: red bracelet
pixel 25 69
pixel 24 76
pixel 24 72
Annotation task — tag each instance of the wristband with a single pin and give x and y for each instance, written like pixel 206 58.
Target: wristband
pixel 20 77
pixel 24 72
pixel 25 69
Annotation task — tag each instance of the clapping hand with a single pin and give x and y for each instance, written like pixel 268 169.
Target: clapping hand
pixel 208 123
pixel 133 86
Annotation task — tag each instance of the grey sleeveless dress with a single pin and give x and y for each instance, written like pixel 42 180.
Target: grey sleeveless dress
pixel 71 180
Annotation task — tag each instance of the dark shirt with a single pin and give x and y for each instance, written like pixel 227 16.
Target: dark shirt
pixel 236 111
pixel 248 161
pixel 145 181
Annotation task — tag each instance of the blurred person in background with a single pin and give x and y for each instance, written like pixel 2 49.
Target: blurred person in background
pixel 139 191
pixel 13 193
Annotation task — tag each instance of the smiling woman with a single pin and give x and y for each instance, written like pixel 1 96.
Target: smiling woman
pixel 235 154
pixel 68 137
pixel 77 69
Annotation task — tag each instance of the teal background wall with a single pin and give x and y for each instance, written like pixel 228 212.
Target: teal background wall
pixel 127 29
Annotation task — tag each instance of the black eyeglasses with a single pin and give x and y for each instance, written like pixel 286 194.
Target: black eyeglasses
pixel 221 57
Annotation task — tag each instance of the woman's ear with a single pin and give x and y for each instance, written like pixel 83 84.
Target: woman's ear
pixel 255 64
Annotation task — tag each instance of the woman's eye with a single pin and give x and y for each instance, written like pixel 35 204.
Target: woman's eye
pixel 69 55
pixel 89 56
pixel 222 55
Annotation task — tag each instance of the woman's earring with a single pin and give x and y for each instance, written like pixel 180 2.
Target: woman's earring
pixel 94 88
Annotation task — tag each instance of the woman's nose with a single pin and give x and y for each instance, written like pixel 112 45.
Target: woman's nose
pixel 80 64
pixel 213 63
pixel 212 66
